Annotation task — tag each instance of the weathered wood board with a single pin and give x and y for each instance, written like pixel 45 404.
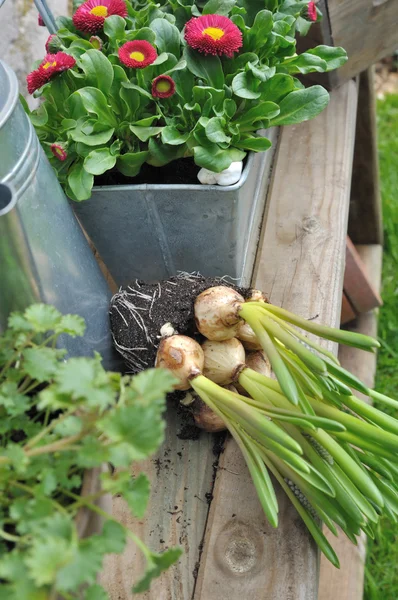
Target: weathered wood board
pixel 347 582
pixel 301 267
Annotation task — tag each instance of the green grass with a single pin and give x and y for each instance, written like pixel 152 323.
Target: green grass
pixel 381 576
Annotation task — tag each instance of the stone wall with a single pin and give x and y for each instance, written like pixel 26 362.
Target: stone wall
pixel 22 40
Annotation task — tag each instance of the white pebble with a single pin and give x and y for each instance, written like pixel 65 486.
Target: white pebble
pixel 227 177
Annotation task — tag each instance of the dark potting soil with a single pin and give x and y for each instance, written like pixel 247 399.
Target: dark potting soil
pixel 138 311
pixel 181 171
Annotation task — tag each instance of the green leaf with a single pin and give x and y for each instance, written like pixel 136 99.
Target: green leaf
pixel 83 566
pixel 304 63
pixel 276 88
pixel 215 130
pixel 114 28
pixel 85 379
pixel 80 182
pixel 262 26
pixel 185 82
pixel 174 137
pixel 144 133
pixel 98 69
pixel 95 102
pixel 112 539
pixel 40 363
pixel 167 36
pixel 95 139
pixel 99 161
pixel 39 117
pixel 302 105
pixel 334 57
pixel 161 154
pixel 46 557
pixel 42 317
pixel 263 110
pixel 257 144
pixel 134 490
pixel 218 7
pixel 131 86
pixel 244 85
pixel 96 591
pixel 130 164
pixel 155 565
pixel 73 325
pixel 215 159
pixel 208 68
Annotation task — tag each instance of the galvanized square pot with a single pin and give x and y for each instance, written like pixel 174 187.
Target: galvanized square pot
pixel 151 232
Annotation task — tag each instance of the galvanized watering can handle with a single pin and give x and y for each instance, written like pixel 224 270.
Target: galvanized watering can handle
pixel 45 13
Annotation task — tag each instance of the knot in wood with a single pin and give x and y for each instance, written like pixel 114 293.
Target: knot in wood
pixel 239 548
pixel 311 224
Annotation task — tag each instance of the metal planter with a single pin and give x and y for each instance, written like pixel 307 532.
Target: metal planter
pixel 44 256
pixel 153 231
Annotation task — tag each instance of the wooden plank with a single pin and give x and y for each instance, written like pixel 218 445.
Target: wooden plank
pixel 181 476
pixel 347 312
pixel 347 582
pixel 367 29
pixel 364 225
pixel 300 266
pixel 358 287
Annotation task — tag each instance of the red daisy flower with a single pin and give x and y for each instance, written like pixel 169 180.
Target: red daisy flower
pixel 90 16
pixel 213 34
pixel 59 151
pixel 34 81
pixel 311 11
pixel 40 21
pixel 163 87
pixel 137 54
pixel 51 65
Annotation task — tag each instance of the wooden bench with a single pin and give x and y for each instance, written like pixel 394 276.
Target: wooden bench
pixel 210 508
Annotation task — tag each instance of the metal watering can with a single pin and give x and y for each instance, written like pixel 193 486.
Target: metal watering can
pixel 44 255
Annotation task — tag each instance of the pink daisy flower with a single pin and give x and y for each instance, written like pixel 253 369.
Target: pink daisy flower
pixel 163 87
pixel 137 54
pixel 51 66
pixel 40 21
pixel 213 34
pixel 59 151
pixel 90 16
pixel 311 11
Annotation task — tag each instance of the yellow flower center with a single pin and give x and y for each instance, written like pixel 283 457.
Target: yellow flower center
pixel 214 32
pixel 99 11
pixel 48 65
pixel 163 86
pixel 138 56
